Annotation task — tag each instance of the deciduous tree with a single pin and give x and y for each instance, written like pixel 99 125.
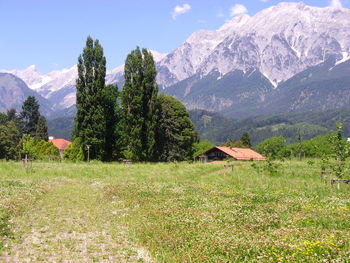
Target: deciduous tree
pixel 175 133
pixel 138 99
pixel 9 141
pixel 111 106
pixel 90 120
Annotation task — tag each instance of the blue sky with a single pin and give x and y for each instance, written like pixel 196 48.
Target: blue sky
pixel 51 33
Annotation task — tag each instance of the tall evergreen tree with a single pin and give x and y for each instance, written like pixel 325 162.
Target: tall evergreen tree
pixel 90 120
pixel 175 133
pixel 138 98
pixel 30 115
pixel 245 139
pixel 41 129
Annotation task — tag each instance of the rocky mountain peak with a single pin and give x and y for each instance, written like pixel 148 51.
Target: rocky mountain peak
pixel 279 41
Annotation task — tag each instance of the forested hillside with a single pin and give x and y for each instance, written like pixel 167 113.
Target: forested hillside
pixel 217 128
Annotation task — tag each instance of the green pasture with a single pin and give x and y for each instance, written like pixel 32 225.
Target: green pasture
pixel 171 212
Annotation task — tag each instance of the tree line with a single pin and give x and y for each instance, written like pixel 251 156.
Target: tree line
pixel 135 123
pixel 24 133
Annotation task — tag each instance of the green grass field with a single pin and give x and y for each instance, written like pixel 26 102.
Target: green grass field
pixel 97 212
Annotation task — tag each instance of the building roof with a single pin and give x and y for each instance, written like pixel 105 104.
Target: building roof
pixel 239 153
pixel 61 144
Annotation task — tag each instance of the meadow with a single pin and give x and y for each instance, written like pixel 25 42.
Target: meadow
pixel 175 212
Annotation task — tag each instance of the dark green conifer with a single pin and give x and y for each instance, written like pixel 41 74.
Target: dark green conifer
pixel 245 139
pixel 30 115
pixel 41 129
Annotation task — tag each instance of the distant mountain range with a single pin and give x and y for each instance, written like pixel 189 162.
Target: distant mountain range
pixel 13 91
pixel 56 87
pixel 286 58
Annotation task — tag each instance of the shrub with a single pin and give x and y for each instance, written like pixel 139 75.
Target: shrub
pixel 272 147
pixel 46 151
pixel 27 146
pixel 74 152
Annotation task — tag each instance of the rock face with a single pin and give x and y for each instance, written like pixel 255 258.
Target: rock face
pixel 280 42
pixel 273 61
pixel 322 87
pixel 60 82
pixel 241 94
pixel 256 65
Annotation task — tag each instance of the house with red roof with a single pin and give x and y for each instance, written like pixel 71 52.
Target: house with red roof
pixel 61 145
pixel 220 153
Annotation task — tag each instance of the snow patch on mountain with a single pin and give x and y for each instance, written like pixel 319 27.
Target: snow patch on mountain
pixel 346 56
pixel 280 41
pixel 186 60
pixel 30 76
pixel 57 86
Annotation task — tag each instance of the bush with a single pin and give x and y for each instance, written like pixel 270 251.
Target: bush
pixel 316 147
pixel 27 146
pixel 46 151
pixel 74 152
pixel 272 147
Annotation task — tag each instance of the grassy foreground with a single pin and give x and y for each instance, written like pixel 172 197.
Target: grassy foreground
pixel 171 213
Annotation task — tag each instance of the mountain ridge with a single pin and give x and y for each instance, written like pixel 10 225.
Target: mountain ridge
pixel 214 69
pixel 13 91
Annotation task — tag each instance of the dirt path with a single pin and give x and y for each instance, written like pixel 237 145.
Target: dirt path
pixel 72 223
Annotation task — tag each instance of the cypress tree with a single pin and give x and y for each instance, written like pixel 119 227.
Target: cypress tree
pixel 30 115
pixel 90 120
pixel 138 98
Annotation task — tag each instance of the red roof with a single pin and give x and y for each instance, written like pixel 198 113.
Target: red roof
pixel 240 153
pixel 61 144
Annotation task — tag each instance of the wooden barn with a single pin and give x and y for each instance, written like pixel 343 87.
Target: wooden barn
pixel 220 153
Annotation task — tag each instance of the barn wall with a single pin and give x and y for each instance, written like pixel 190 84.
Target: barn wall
pixel 216 154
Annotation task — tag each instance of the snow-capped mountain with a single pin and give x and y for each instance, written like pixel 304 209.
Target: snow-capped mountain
pixel 58 86
pixel 48 85
pixel 279 41
pixel 116 75
pixel 186 60
pixel 246 64
pixel 13 91
pixel 45 83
